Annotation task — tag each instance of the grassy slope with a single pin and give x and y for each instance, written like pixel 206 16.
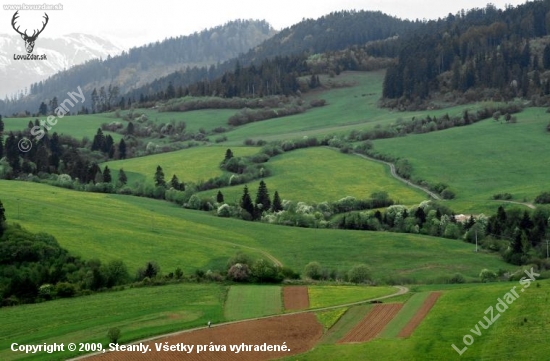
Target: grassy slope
pixel 252 301
pixel 77 126
pixel 519 333
pixel 138 312
pixel 480 160
pixel 347 108
pixel 321 174
pixel 140 229
pixel 192 164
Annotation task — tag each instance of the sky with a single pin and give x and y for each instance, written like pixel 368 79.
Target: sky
pixel 133 23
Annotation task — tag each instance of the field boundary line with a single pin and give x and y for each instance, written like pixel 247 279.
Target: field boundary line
pixel 401 291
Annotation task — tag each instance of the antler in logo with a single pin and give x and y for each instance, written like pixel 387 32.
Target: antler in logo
pixel 29 40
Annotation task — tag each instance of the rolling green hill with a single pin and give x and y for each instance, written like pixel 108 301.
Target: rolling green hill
pixel 322 174
pixel 138 230
pixel 481 160
pixel 192 164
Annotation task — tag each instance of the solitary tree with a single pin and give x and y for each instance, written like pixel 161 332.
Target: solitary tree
pixel 276 206
pixel 219 197
pixel 159 177
pixel 228 155
pixel 122 177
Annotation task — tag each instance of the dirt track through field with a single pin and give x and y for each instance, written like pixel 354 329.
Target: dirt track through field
pixel 300 333
pixel 373 323
pixel 295 298
pixel 420 315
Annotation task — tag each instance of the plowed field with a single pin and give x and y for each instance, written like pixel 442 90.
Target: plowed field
pixel 419 316
pixel 373 323
pixel 296 298
pixel 299 333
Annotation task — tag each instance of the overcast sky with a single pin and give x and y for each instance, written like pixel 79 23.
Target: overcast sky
pixel 139 22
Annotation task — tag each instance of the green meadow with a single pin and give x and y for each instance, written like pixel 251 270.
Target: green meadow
pixel 137 312
pixel 77 126
pixel 353 107
pixel 193 164
pixel 481 160
pixel 519 333
pixel 139 230
pixel 252 301
pixel 315 175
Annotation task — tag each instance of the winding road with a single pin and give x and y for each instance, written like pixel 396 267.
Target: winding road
pixel 396 176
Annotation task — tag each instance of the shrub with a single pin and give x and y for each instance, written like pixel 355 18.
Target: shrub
pixel 487 276
pixel 359 274
pixel 543 198
pixel 457 278
pixel 239 272
pixel 448 194
pixel 65 289
pixel 113 334
pixel 313 270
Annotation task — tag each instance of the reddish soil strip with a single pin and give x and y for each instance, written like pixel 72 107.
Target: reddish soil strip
pixel 300 332
pixel 296 298
pixel 420 314
pixel 373 323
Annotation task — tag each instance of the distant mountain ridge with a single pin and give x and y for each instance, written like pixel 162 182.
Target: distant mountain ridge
pixel 142 65
pixel 333 32
pixel 63 53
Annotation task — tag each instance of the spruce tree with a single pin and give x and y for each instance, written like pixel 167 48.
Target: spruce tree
pixel 277 205
pixel 99 141
pixel 228 155
pixel 122 177
pixel 219 197
pixel 107 175
pixel 246 202
pixel 175 183
pixel 122 149
pixel 262 197
pixel 2 219
pixel 159 177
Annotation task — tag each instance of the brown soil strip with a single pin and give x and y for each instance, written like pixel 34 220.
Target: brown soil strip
pixel 295 298
pixel 420 315
pixel 373 323
pixel 299 332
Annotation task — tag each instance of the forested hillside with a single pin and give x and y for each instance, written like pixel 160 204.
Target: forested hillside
pixel 144 64
pixel 483 53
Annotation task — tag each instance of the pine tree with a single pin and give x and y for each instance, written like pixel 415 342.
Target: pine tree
pixel 175 183
pixel 246 202
pixel 99 140
pixel 228 155
pixel 122 177
pixel 2 219
pixel 219 197
pixel 159 177
pixel 122 149
pixel 262 197
pixel 107 175
pixel 277 205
